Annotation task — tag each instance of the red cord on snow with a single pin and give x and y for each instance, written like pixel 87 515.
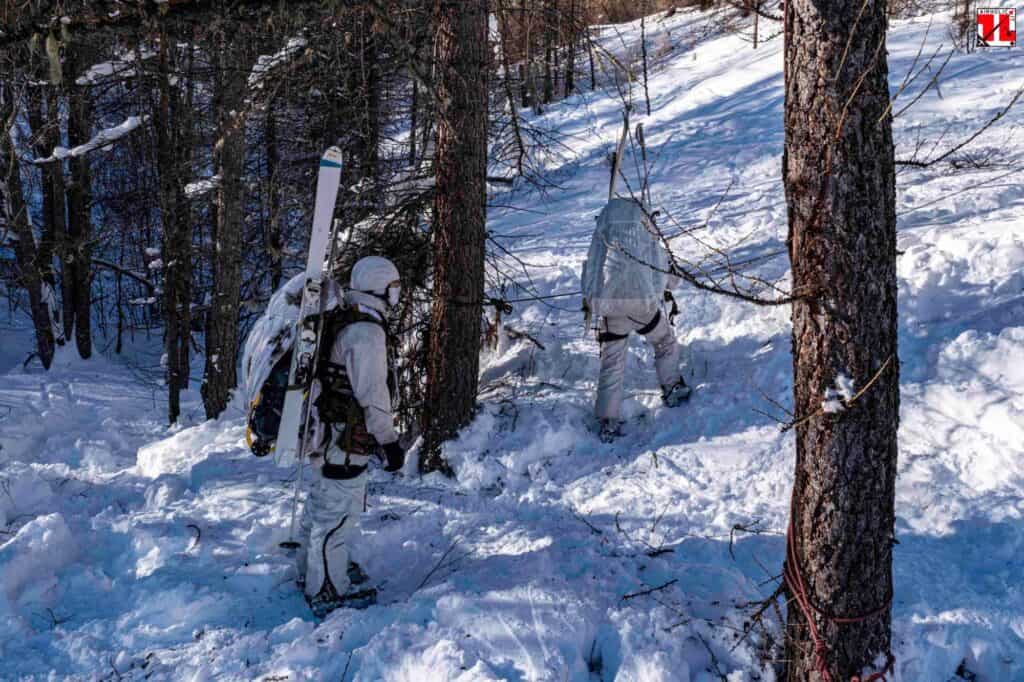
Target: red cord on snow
pixel 798 588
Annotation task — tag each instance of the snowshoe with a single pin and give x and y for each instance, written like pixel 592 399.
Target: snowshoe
pixel 610 430
pixel 676 394
pixel 328 600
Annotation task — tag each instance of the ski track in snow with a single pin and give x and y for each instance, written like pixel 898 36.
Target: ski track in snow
pixel 129 551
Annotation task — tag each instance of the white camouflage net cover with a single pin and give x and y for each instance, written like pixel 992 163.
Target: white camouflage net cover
pixel 626 267
pixel 272 335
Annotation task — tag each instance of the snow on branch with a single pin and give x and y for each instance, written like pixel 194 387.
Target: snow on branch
pixel 103 138
pixel 267 63
pixel 201 187
pixel 117 69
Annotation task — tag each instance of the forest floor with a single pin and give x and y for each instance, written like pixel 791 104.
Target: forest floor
pixel 132 551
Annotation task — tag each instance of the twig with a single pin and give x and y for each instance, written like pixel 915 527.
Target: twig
pixel 347 663
pixel 749 528
pixel 952 150
pixel 516 334
pixel 438 565
pixel 714 659
pixel 593 529
pixel 934 81
pixel 652 590
pixel 757 616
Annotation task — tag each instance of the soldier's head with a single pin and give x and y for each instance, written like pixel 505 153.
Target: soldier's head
pixel 378 276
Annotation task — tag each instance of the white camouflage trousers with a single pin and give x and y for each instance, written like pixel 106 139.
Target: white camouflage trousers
pixel 330 525
pixel 613 357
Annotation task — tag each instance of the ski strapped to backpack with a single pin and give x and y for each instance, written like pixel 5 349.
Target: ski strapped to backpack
pixel 289 447
pixel 337 407
pixel 311 312
pixel 619 150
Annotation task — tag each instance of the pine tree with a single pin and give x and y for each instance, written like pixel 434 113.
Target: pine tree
pixel 219 377
pixel 172 126
pixel 459 221
pixel 840 190
pixel 78 252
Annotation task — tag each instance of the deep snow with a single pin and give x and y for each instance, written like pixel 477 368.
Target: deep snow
pixel 134 551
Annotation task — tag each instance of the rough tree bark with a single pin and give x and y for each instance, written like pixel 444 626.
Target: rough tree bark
pixel 572 40
pixel 360 130
pixel 274 243
pixel 219 375
pixel 840 190
pixel 550 36
pixel 170 121
pixel 14 213
pixel 78 259
pixel 459 222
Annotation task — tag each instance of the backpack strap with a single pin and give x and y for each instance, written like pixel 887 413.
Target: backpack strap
pixel 337 403
pixel 606 337
pixel 649 327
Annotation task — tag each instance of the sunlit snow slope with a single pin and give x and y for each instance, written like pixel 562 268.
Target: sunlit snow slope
pixel 132 552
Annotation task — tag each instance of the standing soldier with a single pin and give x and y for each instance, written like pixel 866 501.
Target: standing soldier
pixel 625 279
pixel 357 388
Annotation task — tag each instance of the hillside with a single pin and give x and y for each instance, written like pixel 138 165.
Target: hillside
pixel 136 552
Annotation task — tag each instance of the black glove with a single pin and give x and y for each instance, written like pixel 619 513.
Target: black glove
pixel 394 457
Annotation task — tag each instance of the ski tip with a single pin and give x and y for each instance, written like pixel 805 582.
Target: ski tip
pixel 331 158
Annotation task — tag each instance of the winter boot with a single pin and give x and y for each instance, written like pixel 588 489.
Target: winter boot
pixel 675 395
pixel 610 430
pixel 356 574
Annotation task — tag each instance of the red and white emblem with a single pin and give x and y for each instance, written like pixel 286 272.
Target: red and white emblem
pixel 997 27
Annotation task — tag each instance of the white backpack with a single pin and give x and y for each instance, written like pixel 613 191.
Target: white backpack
pixel 626 270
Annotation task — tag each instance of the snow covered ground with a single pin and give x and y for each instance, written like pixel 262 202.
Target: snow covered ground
pixel 130 551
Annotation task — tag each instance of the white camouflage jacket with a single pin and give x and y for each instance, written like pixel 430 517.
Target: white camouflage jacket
pixel 362 348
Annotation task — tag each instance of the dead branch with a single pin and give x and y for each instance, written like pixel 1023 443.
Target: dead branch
pixel 643 593
pixel 952 150
pixel 438 565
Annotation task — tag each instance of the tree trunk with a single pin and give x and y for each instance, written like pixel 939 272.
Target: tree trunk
pixel 459 222
pixel 47 237
pixel 590 54
pixel 171 125
pixel 219 376
pixel 840 190
pixel 78 262
pixel 571 43
pixel 274 243
pixel 757 14
pixel 643 54
pixel 45 121
pixel 362 126
pixel 549 49
pixel 413 122
pixel 14 212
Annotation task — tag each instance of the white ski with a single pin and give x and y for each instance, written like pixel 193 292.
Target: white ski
pixel 308 326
